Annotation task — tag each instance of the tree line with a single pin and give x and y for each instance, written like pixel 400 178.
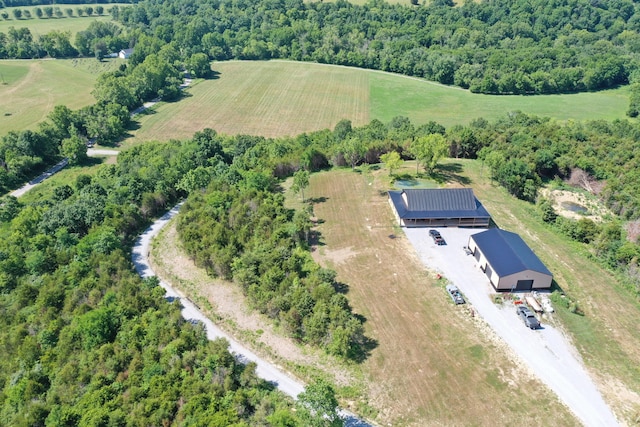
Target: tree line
pixel 499 47
pixel 504 47
pixel 16 3
pixel 48 12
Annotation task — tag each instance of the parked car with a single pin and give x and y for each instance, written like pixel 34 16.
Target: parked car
pixel 437 238
pixel 528 317
pixel 455 294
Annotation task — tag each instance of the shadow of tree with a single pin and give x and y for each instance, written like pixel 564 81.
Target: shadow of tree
pixel 450 172
pixel 316 200
pixel 363 347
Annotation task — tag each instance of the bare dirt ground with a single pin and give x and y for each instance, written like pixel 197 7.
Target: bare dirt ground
pixel 560 199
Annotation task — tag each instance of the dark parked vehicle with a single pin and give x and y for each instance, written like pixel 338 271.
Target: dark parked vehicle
pixel 455 294
pixel 437 238
pixel 528 317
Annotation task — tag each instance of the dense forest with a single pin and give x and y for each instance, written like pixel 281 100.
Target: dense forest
pixel 490 47
pixel 87 342
pixel 503 47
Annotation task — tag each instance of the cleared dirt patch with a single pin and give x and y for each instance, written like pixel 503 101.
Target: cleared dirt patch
pixel 575 205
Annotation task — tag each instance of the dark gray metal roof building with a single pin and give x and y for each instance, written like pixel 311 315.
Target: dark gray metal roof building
pixel 508 261
pixel 438 207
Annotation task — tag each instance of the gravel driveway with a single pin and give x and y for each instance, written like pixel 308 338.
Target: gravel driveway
pixel 264 369
pixel 547 353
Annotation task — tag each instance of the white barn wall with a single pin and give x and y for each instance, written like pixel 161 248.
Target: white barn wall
pixel 540 280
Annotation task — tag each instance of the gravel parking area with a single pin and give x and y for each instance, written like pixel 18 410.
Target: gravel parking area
pixel 546 352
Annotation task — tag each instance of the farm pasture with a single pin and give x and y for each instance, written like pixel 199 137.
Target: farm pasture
pixel 283 98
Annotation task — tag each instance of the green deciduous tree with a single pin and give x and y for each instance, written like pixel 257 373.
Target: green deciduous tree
pixel 199 65
pixel 300 182
pixel 391 160
pixel 318 406
pixel 75 149
pixel 429 150
pixel 353 150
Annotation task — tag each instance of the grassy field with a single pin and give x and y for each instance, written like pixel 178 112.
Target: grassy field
pixel 30 89
pixel 66 176
pixel 279 98
pixel 432 355
pixel 45 25
pixel 263 98
pixel 420 336
pixel 422 101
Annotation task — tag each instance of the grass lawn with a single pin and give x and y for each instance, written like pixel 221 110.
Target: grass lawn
pixel 30 89
pixel 280 98
pixel 430 351
pixel 422 101
pixel 435 364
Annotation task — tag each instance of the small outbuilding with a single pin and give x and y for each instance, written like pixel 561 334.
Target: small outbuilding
pixel 438 207
pixel 508 261
pixel 125 53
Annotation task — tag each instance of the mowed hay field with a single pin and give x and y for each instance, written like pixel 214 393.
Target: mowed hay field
pixel 39 27
pixel 29 89
pixel 284 98
pixel 432 355
pixel 275 98
pixel 435 364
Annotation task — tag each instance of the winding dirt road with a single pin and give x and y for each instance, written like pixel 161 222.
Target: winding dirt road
pixel 190 311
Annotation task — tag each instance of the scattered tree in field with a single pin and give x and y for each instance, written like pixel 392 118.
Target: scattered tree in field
pixel 48 11
pixel 27 14
pixel 428 150
pixel 38 12
pixel 318 406
pixel 88 10
pixel 300 182
pixel 17 13
pixel 99 10
pixel 80 11
pixel 69 12
pixel 57 12
pixel 634 100
pixel 4 15
pixel 391 160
